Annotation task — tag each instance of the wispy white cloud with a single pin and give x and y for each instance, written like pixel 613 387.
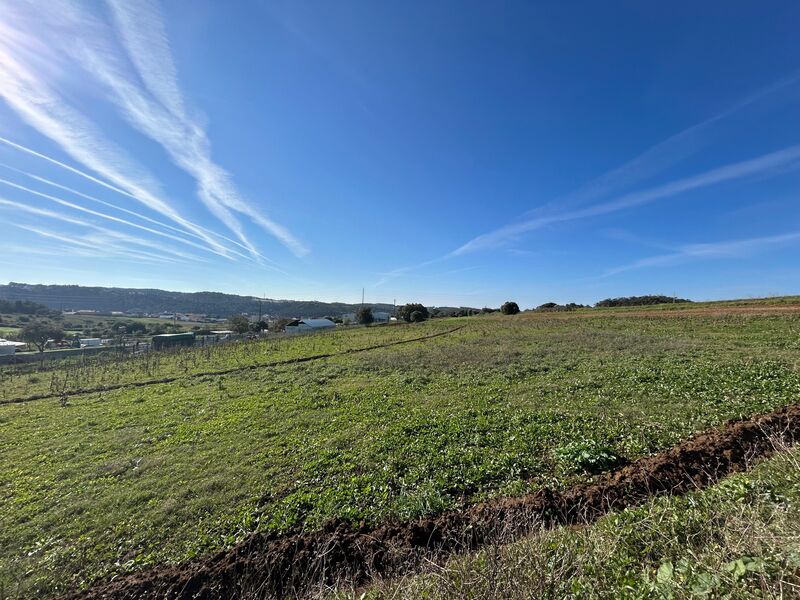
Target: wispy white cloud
pixel 107 237
pixel 43 109
pixel 654 160
pixel 149 98
pixel 160 114
pixel 756 166
pixel 174 238
pixel 97 247
pixel 712 250
pixel 89 177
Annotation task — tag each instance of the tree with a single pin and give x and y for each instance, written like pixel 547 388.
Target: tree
pixel 416 316
pixel 261 325
pixel 509 308
pixel 39 333
pixel 239 323
pixel 364 315
pixel 405 312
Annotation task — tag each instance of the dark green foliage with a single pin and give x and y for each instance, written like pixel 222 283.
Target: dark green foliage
pixel 39 332
pixel 129 326
pixel 364 315
pixel 23 307
pixel 509 308
pixel 639 301
pixel 405 312
pixel 416 317
pixel 554 307
pixel 239 323
pixel 587 456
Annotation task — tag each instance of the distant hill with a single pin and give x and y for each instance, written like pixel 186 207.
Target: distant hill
pixel 214 304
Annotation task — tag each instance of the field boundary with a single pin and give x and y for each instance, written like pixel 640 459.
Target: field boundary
pixel 277 363
pixel 269 565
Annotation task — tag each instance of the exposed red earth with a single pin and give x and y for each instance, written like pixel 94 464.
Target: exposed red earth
pixel 342 554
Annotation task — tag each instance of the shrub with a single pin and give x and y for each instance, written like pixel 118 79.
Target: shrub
pixel 509 308
pixel 589 456
pixel 405 312
pixel 364 315
pixel 239 323
pixel 39 333
pixel 416 317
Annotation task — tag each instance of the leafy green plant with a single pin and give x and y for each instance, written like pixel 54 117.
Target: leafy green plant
pixel 588 456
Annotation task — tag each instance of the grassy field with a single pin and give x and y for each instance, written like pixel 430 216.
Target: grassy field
pixel 118 480
pixel 737 539
pixel 100 325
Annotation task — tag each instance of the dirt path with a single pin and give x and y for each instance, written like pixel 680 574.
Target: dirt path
pixel 277 363
pixel 291 565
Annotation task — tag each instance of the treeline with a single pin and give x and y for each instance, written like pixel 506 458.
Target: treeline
pixel 23 307
pixel 638 301
pixel 553 307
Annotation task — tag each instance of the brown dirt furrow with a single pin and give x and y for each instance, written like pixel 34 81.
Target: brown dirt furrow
pixel 340 554
pixel 277 363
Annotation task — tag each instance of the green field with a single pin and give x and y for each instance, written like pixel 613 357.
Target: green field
pixel 737 539
pixel 118 480
pixel 101 325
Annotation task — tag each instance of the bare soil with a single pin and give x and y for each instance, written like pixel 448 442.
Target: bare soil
pixel 342 554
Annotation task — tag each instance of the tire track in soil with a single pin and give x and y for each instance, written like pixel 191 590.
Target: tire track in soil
pixel 267 565
pixel 277 363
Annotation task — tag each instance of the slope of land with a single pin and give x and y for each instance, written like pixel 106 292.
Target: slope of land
pixel 113 481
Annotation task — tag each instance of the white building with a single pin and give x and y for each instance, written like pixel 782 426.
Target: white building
pixel 306 325
pixel 8 347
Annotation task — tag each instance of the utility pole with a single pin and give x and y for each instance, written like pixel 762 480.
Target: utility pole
pixel 362 297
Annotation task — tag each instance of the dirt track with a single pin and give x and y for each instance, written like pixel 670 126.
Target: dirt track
pixel 265 566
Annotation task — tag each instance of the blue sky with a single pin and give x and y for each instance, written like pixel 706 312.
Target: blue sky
pixel 454 153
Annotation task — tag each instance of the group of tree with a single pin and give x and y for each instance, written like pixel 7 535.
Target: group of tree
pixel 23 307
pixel 441 312
pixel 555 307
pixel 638 301
pixel 364 315
pixel 509 308
pixel 413 313
pixel 239 324
pixel 40 332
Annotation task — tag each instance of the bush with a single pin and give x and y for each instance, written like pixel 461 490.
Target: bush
pixel 509 308
pixel 416 317
pixel 364 315
pixel 239 324
pixel 589 456
pixel 39 333
pixel 405 312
